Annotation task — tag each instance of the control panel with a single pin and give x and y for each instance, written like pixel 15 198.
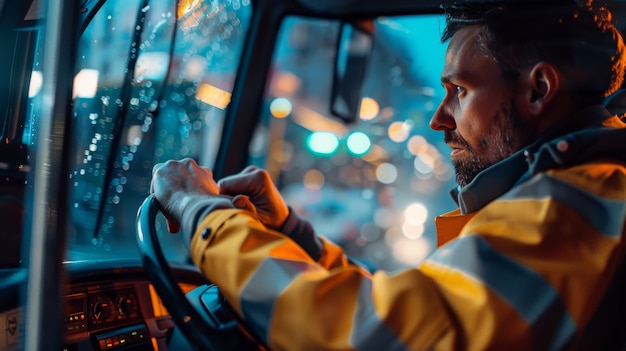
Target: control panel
pixel 112 307
pixel 119 338
pixel 101 309
pixel 75 313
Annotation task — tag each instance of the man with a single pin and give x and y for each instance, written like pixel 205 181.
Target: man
pixel 528 259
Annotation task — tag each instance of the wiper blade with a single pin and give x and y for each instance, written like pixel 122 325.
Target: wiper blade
pixel 120 120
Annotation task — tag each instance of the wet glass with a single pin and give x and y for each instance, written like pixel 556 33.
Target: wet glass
pixel 151 84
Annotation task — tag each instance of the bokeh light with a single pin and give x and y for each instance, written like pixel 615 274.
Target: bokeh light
pixel 324 143
pixel 411 252
pixel 313 179
pixel 280 107
pixel 416 213
pixel 399 131
pixel 358 143
pixel 412 231
pixel 386 173
pixel 424 163
pixel 369 109
pixel 417 144
pixel 86 83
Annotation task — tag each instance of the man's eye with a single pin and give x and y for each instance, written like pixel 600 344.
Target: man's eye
pixel 460 90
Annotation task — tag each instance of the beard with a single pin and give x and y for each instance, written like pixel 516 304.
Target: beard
pixel 506 135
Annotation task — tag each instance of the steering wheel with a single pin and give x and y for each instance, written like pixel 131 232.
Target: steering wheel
pixel 203 316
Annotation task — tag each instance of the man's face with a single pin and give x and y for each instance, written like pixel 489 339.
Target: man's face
pixel 479 117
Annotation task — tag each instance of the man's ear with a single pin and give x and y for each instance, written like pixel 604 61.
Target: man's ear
pixel 544 81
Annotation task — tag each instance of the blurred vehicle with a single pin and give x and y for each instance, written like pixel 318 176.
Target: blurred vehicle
pixel 333 99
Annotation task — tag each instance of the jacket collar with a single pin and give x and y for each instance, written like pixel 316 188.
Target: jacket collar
pixel 596 138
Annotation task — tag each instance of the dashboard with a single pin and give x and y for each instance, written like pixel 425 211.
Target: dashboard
pixel 110 315
pixel 108 305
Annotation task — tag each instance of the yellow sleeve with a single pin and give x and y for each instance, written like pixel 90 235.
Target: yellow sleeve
pixel 295 303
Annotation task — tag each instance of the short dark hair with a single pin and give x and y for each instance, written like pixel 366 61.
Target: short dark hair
pixel 577 37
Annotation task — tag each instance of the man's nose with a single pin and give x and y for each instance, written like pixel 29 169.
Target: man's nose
pixel 442 119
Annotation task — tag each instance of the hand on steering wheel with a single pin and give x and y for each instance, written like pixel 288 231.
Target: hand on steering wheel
pixel 252 189
pixel 175 182
pixel 198 324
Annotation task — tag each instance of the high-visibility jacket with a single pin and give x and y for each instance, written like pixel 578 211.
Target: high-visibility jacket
pixel 525 263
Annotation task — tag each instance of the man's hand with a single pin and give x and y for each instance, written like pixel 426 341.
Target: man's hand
pixel 252 189
pixel 175 183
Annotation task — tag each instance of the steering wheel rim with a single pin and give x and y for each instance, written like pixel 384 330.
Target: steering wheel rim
pixel 185 316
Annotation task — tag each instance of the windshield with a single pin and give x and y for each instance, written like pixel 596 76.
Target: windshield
pixel 153 82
